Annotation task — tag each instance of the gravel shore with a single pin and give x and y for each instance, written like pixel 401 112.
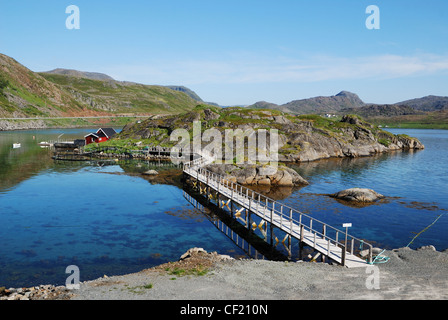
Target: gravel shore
pixel 409 274
pixel 198 275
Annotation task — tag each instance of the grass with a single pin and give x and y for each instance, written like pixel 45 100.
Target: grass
pixel 384 142
pixel 180 272
pixel 139 289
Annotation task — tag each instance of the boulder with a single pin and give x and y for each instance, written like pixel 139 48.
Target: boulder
pixel 263 175
pixel 151 173
pixel 266 170
pixel 358 195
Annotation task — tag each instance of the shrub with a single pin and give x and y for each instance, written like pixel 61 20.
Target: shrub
pixel 384 142
pixel 4 83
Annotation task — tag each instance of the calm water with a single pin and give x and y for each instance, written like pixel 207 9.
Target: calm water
pixel 415 184
pixel 107 222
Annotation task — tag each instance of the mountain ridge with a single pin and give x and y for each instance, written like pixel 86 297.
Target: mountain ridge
pixel 346 101
pixel 80 74
pixel 67 92
pixel 319 104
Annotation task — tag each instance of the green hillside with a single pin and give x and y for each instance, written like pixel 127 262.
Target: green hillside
pixel 123 97
pixel 27 94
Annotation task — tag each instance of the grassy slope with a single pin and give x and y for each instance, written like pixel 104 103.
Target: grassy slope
pixel 118 97
pixel 24 93
pixel 30 94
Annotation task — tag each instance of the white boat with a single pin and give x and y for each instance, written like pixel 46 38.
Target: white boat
pixel 16 145
pixel 45 144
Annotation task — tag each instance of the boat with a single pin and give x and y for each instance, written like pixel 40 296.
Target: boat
pixel 45 144
pixel 16 145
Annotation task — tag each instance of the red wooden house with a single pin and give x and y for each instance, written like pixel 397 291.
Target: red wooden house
pixel 103 134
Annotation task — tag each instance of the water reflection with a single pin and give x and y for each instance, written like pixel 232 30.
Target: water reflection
pixel 254 246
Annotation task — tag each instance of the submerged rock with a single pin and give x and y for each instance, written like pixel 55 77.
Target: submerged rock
pixel 358 195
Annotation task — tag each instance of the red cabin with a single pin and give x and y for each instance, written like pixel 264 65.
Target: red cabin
pixel 103 134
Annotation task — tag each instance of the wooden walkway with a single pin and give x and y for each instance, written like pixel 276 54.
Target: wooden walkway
pixel 333 243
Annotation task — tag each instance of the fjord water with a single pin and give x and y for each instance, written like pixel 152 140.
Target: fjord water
pixel 56 214
pixel 415 184
pixel 107 221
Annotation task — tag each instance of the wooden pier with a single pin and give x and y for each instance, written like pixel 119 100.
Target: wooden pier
pixel 70 152
pixel 245 205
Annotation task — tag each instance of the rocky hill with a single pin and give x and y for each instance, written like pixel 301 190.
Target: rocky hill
pixel 426 112
pixel 123 97
pixel 105 77
pixel 301 138
pixel 319 105
pixel 385 110
pixel 61 93
pixel 428 103
pixel 81 74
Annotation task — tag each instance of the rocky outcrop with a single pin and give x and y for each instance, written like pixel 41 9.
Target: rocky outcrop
pixel 262 175
pixel 358 195
pixel 300 139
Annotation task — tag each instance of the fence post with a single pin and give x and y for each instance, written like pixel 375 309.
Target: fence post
pixel 343 256
pixel 290 220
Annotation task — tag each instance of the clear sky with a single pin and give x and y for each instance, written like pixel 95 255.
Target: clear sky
pixel 240 52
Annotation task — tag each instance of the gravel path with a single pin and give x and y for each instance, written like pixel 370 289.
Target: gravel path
pixel 409 274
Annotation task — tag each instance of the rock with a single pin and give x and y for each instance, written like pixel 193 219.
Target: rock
pixel 282 120
pixel 358 195
pixel 266 170
pixel 42 292
pixel 375 251
pixel 210 115
pixel 200 252
pixel 264 182
pixel 150 173
pixel 430 247
pixel 263 175
pixel 191 252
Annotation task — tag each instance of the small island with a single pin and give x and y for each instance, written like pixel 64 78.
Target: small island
pixel 301 138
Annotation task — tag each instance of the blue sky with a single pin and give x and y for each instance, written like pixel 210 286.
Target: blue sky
pixel 240 52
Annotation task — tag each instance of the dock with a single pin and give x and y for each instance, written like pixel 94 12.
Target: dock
pixel 256 211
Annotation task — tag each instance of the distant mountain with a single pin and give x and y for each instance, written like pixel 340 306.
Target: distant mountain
pixel 63 92
pixel 190 92
pixel 349 103
pixel 264 105
pixel 428 103
pixel 343 99
pixel 81 74
pixel 386 110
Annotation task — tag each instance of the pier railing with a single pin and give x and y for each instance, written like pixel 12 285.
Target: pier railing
pixel 333 242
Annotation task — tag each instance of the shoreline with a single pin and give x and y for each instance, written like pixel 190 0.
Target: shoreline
pixel 39 123
pixel 198 275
